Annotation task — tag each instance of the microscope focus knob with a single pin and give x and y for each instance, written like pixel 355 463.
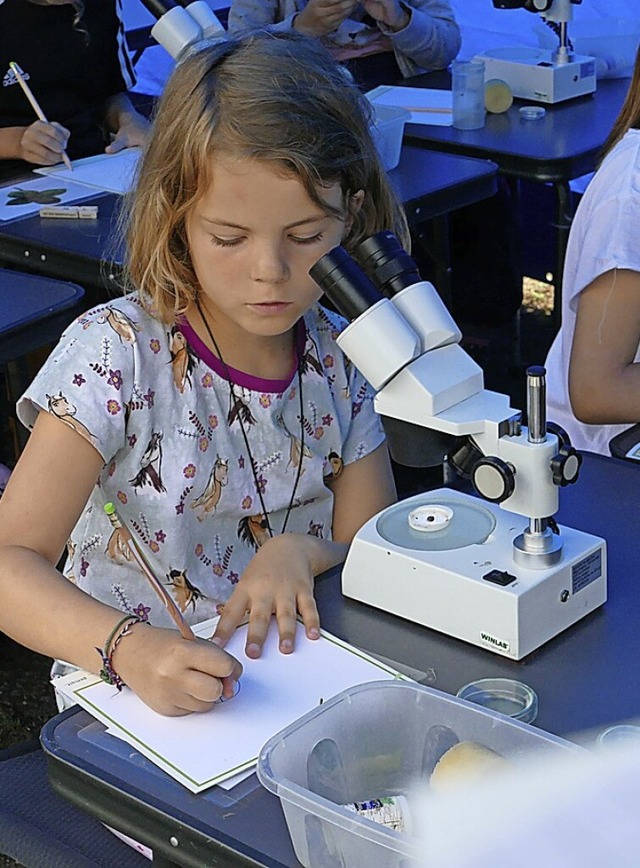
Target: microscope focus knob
pixel 493 479
pixel 566 466
pixel 561 434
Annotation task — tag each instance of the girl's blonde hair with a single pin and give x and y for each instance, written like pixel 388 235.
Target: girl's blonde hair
pixel 629 117
pixel 277 98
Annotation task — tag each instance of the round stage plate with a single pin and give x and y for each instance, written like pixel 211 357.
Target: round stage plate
pixel 470 524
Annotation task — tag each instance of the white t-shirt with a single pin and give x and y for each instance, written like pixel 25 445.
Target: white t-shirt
pixel 156 404
pixel 605 235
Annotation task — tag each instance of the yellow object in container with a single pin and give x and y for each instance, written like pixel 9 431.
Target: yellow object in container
pixel 464 763
pixel 497 96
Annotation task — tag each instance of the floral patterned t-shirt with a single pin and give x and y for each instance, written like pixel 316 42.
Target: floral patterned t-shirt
pixel 158 408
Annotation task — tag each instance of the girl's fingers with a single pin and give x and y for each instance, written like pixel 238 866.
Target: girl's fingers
pixel 233 614
pixel 286 617
pixel 309 614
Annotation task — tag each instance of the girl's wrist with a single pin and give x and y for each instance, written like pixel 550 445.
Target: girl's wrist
pixel 121 629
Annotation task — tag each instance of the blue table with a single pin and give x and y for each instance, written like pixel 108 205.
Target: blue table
pixel 587 677
pixel 33 311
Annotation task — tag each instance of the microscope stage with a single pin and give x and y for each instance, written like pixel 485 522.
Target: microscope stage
pixel 461 578
pixel 535 74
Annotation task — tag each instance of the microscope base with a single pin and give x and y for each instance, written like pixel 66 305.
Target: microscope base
pixel 533 74
pixel 446 579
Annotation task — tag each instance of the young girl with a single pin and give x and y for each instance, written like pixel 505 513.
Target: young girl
pixel 594 363
pixel 212 406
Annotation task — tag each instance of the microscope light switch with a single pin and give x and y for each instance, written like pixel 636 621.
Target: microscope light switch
pixel 499 577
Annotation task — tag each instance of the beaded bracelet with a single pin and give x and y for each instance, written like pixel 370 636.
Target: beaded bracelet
pixel 122 629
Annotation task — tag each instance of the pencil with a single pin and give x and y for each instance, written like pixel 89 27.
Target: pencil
pixel 36 107
pixel 138 556
pixel 428 109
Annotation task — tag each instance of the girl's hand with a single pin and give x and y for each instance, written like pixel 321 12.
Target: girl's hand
pixel 43 143
pixel 320 17
pixel 389 12
pixel 278 581
pixel 172 675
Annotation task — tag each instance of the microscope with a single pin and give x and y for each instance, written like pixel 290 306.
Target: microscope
pixel 539 74
pixel 492 569
pixel 180 28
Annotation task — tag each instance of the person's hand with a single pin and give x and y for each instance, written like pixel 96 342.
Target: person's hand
pixel 320 17
pixel 43 143
pixel 389 12
pixel 133 132
pixel 172 675
pixel 278 581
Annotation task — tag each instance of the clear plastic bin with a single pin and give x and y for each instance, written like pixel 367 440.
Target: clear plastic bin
pixel 374 740
pixel 387 132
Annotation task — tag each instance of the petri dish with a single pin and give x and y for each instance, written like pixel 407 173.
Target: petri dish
pixel 531 113
pixel 504 695
pixel 622 732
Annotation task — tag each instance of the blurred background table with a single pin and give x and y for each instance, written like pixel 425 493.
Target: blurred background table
pixel 562 146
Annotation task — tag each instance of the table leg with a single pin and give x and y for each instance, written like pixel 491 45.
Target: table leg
pixel 564 217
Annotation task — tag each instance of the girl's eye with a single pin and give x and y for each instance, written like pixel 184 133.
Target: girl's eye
pixel 226 242
pixel 310 239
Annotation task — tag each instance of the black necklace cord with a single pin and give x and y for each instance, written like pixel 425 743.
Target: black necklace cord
pixel 245 437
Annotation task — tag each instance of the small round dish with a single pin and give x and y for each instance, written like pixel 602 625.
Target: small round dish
pixel 513 698
pixel 622 732
pixel 531 113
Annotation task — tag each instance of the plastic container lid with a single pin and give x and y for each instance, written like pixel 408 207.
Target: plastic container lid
pixel 532 113
pixel 498 96
pixel 513 698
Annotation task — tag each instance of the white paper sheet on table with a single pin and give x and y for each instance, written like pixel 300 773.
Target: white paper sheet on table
pixel 427 105
pixel 201 750
pixel 112 173
pixel 63 194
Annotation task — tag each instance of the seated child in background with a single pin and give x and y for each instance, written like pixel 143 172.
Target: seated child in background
pixel 593 366
pixel 212 406
pixel 74 58
pixel 401 38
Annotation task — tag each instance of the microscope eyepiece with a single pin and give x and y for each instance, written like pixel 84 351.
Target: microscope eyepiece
pixel 386 262
pixel 344 283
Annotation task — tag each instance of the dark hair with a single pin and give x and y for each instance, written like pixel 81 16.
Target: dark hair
pixel 277 98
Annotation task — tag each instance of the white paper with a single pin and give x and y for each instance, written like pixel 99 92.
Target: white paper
pixel 201 750
pixel 113 173
pixel 427 105
pixel 62 193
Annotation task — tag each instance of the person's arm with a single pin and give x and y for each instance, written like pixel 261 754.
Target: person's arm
pixel 39 608
pixel 604 379
pixel 424 33
pixel 130 129
pixel 280 577
pixel 40 143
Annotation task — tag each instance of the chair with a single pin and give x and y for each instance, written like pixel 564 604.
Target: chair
pixel 40 828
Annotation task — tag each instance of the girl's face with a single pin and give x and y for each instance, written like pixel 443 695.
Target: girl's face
pixel 253 237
